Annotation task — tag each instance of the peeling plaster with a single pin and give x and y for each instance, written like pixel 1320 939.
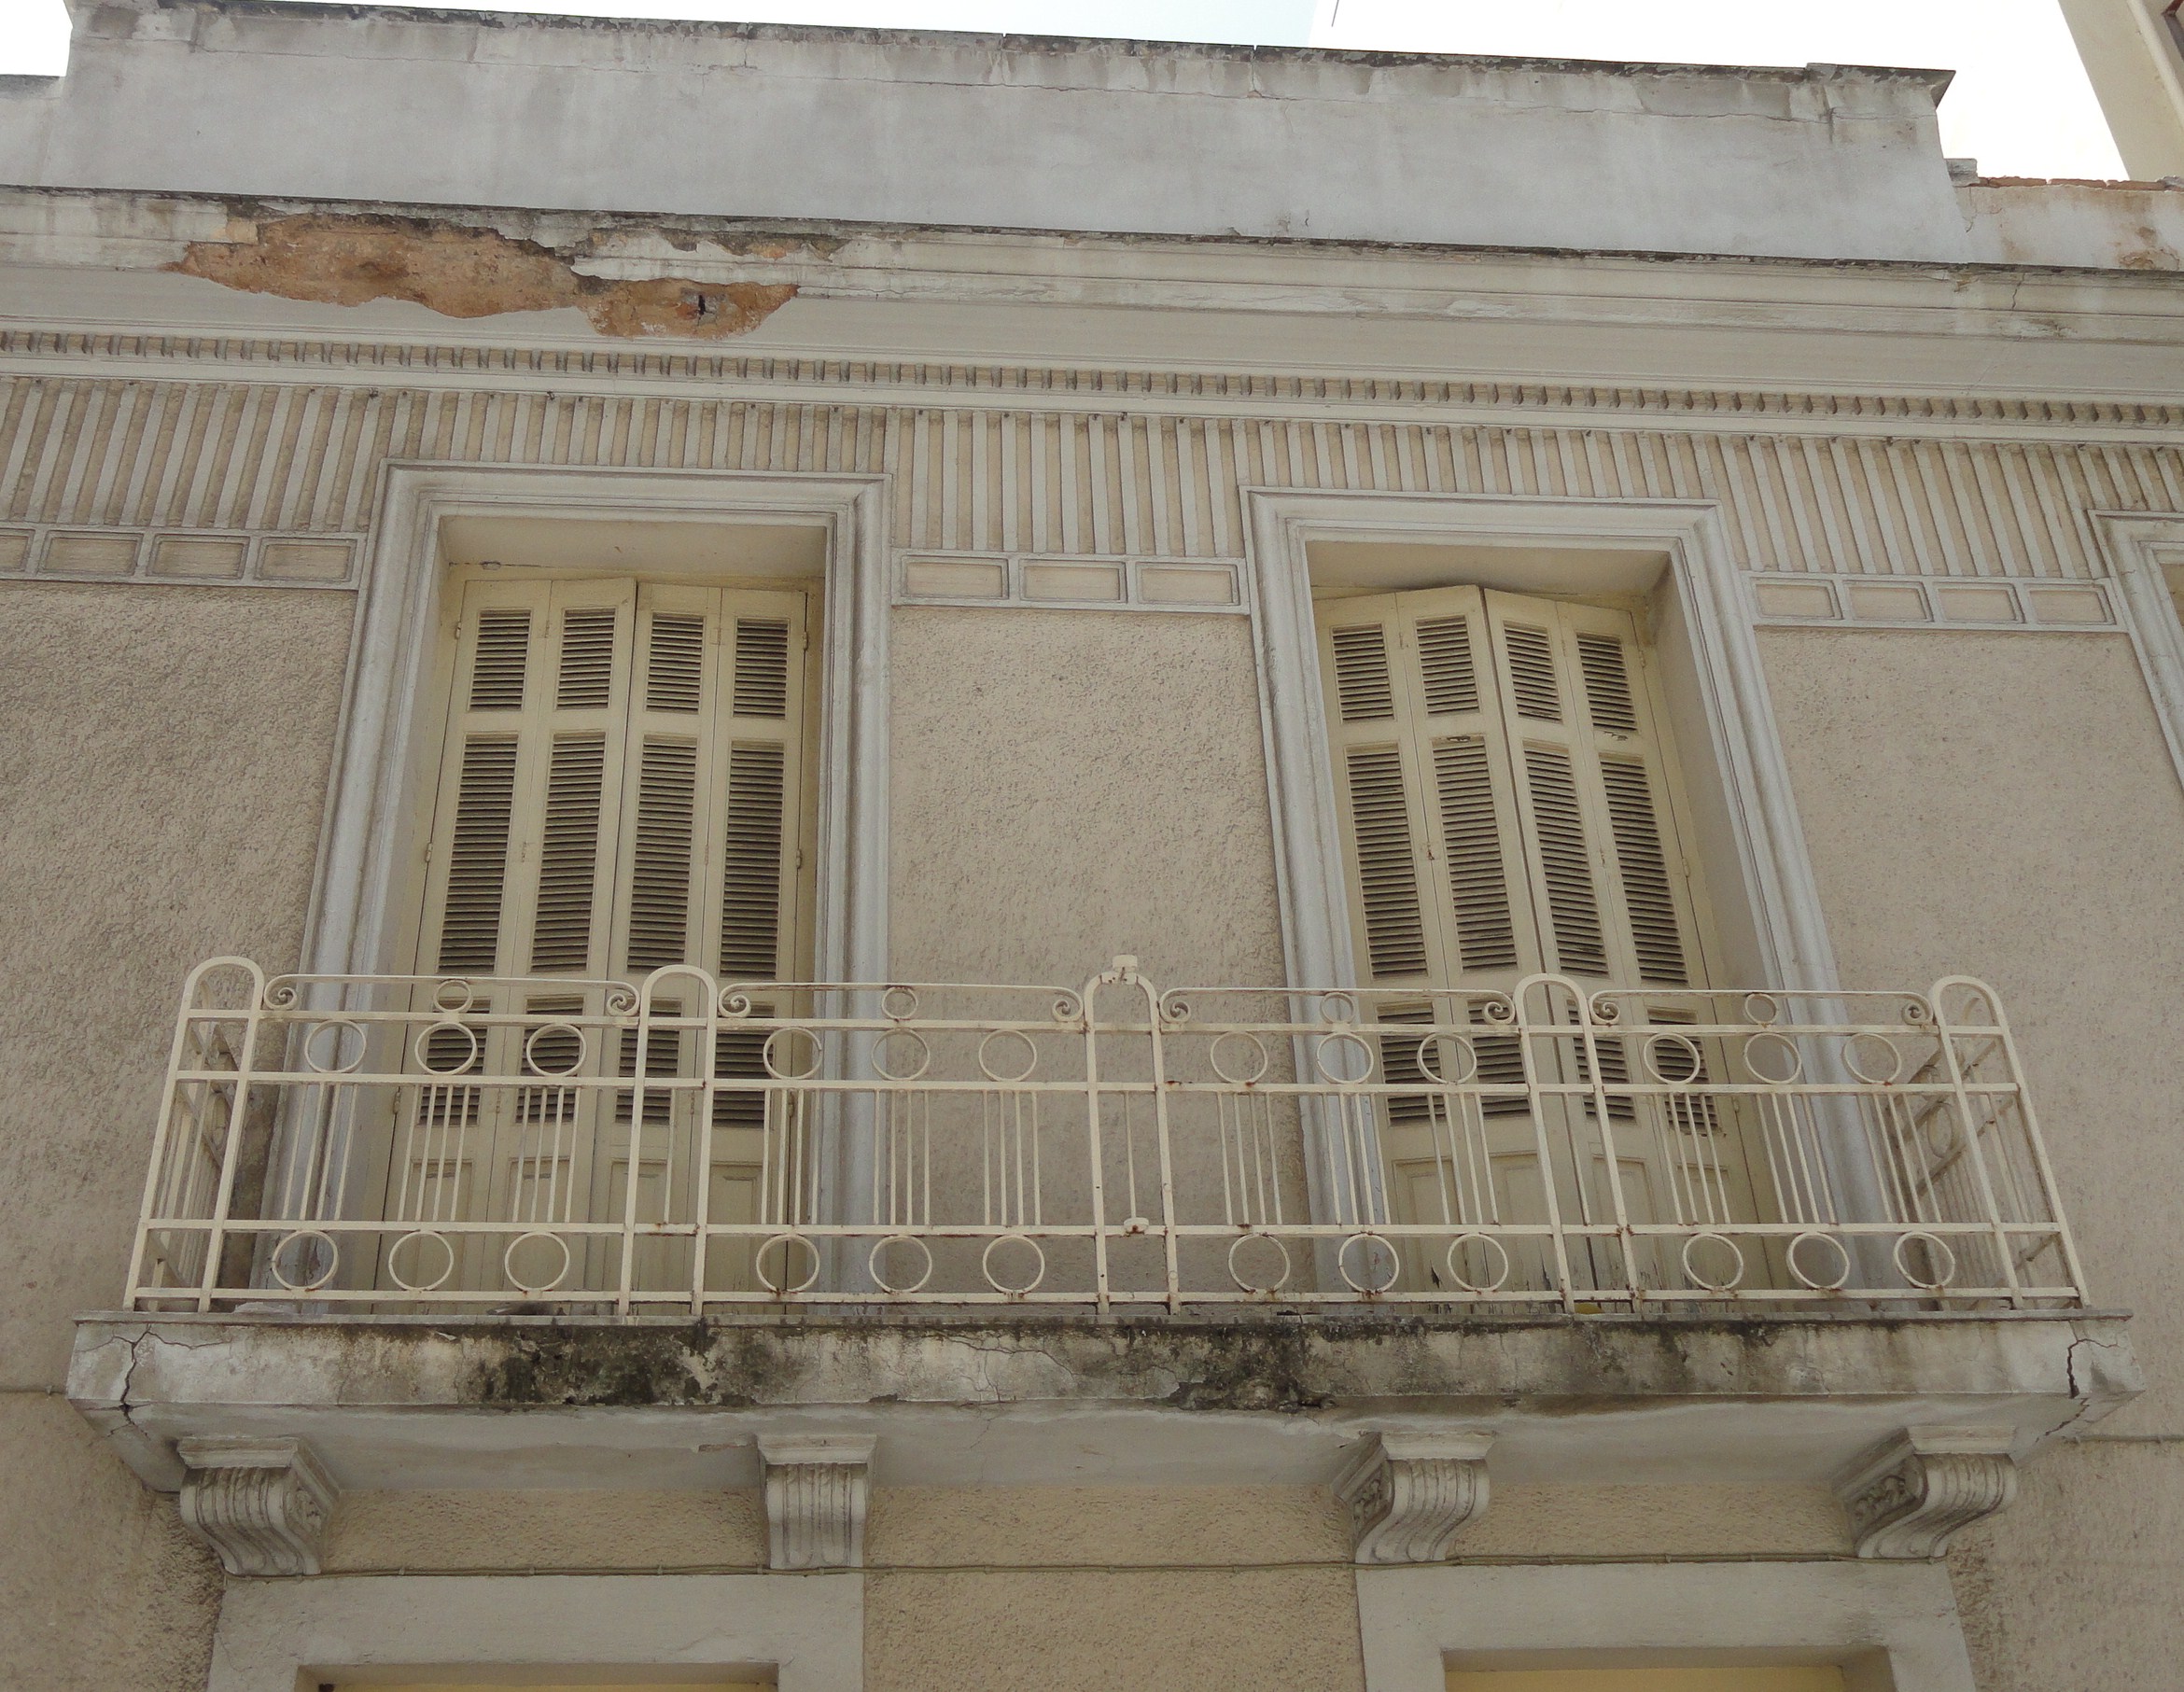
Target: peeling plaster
pixel 468 272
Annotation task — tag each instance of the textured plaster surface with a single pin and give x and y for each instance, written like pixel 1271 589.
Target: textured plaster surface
pixel 1656 1521
pixel 2004 806
pixel 162 774
pixel 1249 1629
pixel 547 1529
pixel 1070 785
pixel 100 1584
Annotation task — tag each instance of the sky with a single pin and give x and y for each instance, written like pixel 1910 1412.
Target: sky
pixel 2021 105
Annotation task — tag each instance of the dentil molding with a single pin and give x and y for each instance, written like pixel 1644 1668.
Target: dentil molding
pixel 817 1491
pixel 261 1505
pixel 1913 1494
pixel 1410 1495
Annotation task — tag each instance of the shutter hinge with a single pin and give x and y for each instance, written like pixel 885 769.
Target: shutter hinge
pixel 427 858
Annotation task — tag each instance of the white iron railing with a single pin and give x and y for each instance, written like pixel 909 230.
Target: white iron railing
pixel 409 1143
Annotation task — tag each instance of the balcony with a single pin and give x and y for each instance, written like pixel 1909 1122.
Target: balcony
pixel 379 1205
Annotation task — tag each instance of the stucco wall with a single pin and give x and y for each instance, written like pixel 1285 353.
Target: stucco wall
pixel 162 774
pixel 2003 806
pixel 1070 785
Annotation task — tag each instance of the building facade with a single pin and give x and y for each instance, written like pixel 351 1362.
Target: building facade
pixel 847 858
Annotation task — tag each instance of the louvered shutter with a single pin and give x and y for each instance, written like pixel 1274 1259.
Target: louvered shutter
pixel 1593 784
pixel 1437 879
pixel 522 847
pixel 622 787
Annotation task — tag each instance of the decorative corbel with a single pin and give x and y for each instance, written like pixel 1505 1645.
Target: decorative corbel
pixel 1411 1494
pixel 1912 1495
pixel 261 1505
pixel 816 1493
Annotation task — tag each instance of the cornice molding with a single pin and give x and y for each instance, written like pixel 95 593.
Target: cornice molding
pixel 1004 387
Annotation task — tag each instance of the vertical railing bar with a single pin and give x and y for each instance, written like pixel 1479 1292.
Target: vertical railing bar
pixel 216 1235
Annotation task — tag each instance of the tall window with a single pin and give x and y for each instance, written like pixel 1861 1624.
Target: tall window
pixel 1509 804
pixel 622 786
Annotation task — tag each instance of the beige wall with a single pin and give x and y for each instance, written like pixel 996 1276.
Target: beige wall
pixel 163 767
pixel 2003 806
pixel 1070 785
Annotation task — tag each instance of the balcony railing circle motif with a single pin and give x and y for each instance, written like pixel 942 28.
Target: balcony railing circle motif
pixel 1263 1285
pixel 437 1054
pixel 318 1241
pixel 788 1242
pixel 990 1063
pixel 324 1062
pixel 901 1055
pixel 453 996
pixel 1819 1283
pixel 879 1280
pixel 1431 1066
pixel 899 1004
pixel 1253 1065
pixel 777 1053
pixel 420 1284
pixel 552 1039
pixel 1013 1289
pixel 1791 1067
pixel 1344 1058
pixel 1940 1260
pixel 1860 1058
pixel 1374 1250
pixel 1714 1283
pixel 533 1286
pixel 1685 1064
pixel 1462 1245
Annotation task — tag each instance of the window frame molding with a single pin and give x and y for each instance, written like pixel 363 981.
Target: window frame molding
pixel 1789 923
pixel 2137 546
pixel 367 831
pixel 1892 1626
pixel 808 1630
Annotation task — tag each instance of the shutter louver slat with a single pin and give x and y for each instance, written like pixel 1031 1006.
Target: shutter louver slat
pixel 1364 691
pixel 568 853
pixel 1531 673
pixel 750 890
pixel 762 668
pixel 1446 667
pixel 1471 839
pixel 586 679
pixel 1646 888
pixel 676 663
pixel 1387 863
pixel 503 655
pixel 477 871
pixel 1573 909
pixel 1607 683
pixel 659 894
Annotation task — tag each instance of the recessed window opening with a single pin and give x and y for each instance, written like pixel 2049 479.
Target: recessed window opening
pixel 1506 755
pixel 622 780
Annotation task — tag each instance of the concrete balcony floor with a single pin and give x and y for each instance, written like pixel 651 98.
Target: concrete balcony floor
pixel 986 1399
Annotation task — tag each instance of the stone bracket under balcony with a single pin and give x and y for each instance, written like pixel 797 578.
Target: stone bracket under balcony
pixel 966 1400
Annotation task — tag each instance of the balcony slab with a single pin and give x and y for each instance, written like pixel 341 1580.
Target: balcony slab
pixel 1017 1399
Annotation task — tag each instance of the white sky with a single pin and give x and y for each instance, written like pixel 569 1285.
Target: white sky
pixel 2021 103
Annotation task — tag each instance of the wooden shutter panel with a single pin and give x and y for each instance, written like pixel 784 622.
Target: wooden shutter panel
pixel 1610 864
pixel 1504 792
